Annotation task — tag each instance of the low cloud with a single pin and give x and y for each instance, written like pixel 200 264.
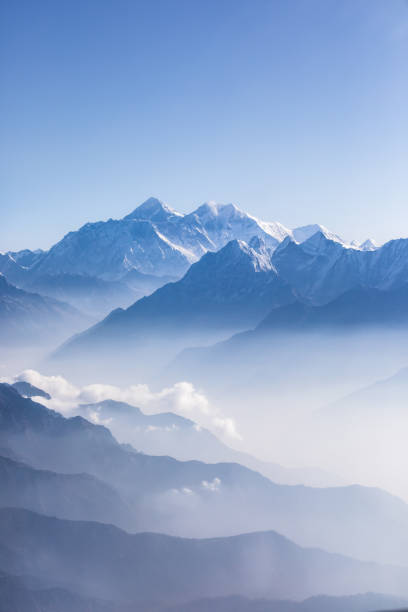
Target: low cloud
pixel 213 485
pixel 182 398
pixel 182 491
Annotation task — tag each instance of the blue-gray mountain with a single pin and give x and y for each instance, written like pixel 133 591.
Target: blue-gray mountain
pixel 236 287
pixel 26 389
pixel 108 264
pixel 74 496
pixel 31 595
pixel 169 434
pixel 193 498
pixel 29 317
pixel 153 239
pixel 140 252
pixel 102 561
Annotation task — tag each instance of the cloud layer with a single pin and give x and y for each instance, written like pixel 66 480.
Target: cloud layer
pixel 182 398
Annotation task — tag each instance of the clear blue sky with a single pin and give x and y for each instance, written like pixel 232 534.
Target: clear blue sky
pixel 295 110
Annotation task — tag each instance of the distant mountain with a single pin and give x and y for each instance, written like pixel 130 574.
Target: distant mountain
pixel 223 292
pixel 362 307
pixel 26 258
pixel 102 561
pixel 321 268
pixel 29 317
pixel 10 268
pixel 307 355
pixel 169 434
pixel 374 417
pixel 234 287
pixel 298 329
pixel 118 259
pixel 153 239
pixel 89 294
pixel 26 389
pixel 20 595
pixel 301 234
pixel 192 498
pixel 368 602
pixel 385 400
pixel 73 496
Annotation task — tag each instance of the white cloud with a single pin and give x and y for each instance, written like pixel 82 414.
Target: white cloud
pixel 182 398
pixel 182 491
pixel 214 485
pixel 227 427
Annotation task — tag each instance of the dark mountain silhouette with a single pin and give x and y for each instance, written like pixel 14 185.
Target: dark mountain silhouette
pixel 18 596
pixel 102 561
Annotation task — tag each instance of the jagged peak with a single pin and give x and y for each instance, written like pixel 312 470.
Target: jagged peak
pixel 240 250
pixel 320 237
pixel 257 243
pixel 305 232
pixel 369 245
pixel 213 209
pixel 287 241
pixel 153 209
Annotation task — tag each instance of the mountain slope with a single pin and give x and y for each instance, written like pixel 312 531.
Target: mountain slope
pixel 173 435
pixel 321 268
pixel 29 317
pixel 280 347
pixel 362 307
pixel 103 561
pixel 26 389
pixel 87 293
pixel 194 498
pixel 18 596
pixel 223 292
pixel 153 239
pixel 232 289
pixel 368 602
pixel 385 400
pixel 73 496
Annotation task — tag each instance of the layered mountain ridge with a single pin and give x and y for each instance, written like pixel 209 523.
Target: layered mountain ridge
pixel 153 239
pixel 236 287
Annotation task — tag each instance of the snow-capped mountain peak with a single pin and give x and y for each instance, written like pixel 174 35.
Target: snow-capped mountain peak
pixel 153 209
pixel 155 239
pixel 303 233
pixel 368 245
pixel 321 242
pixel 254 254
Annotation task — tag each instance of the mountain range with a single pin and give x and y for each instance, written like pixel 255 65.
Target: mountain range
pixel 227 271
pixel 105 264
pixel 19 596
pixel 188 498
pixel 109 508
pixel 154 239
pixel 99 560
pixel 27 317
pixel 167 433
pixel 319 282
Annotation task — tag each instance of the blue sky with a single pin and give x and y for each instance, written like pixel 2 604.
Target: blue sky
pixel 295 110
